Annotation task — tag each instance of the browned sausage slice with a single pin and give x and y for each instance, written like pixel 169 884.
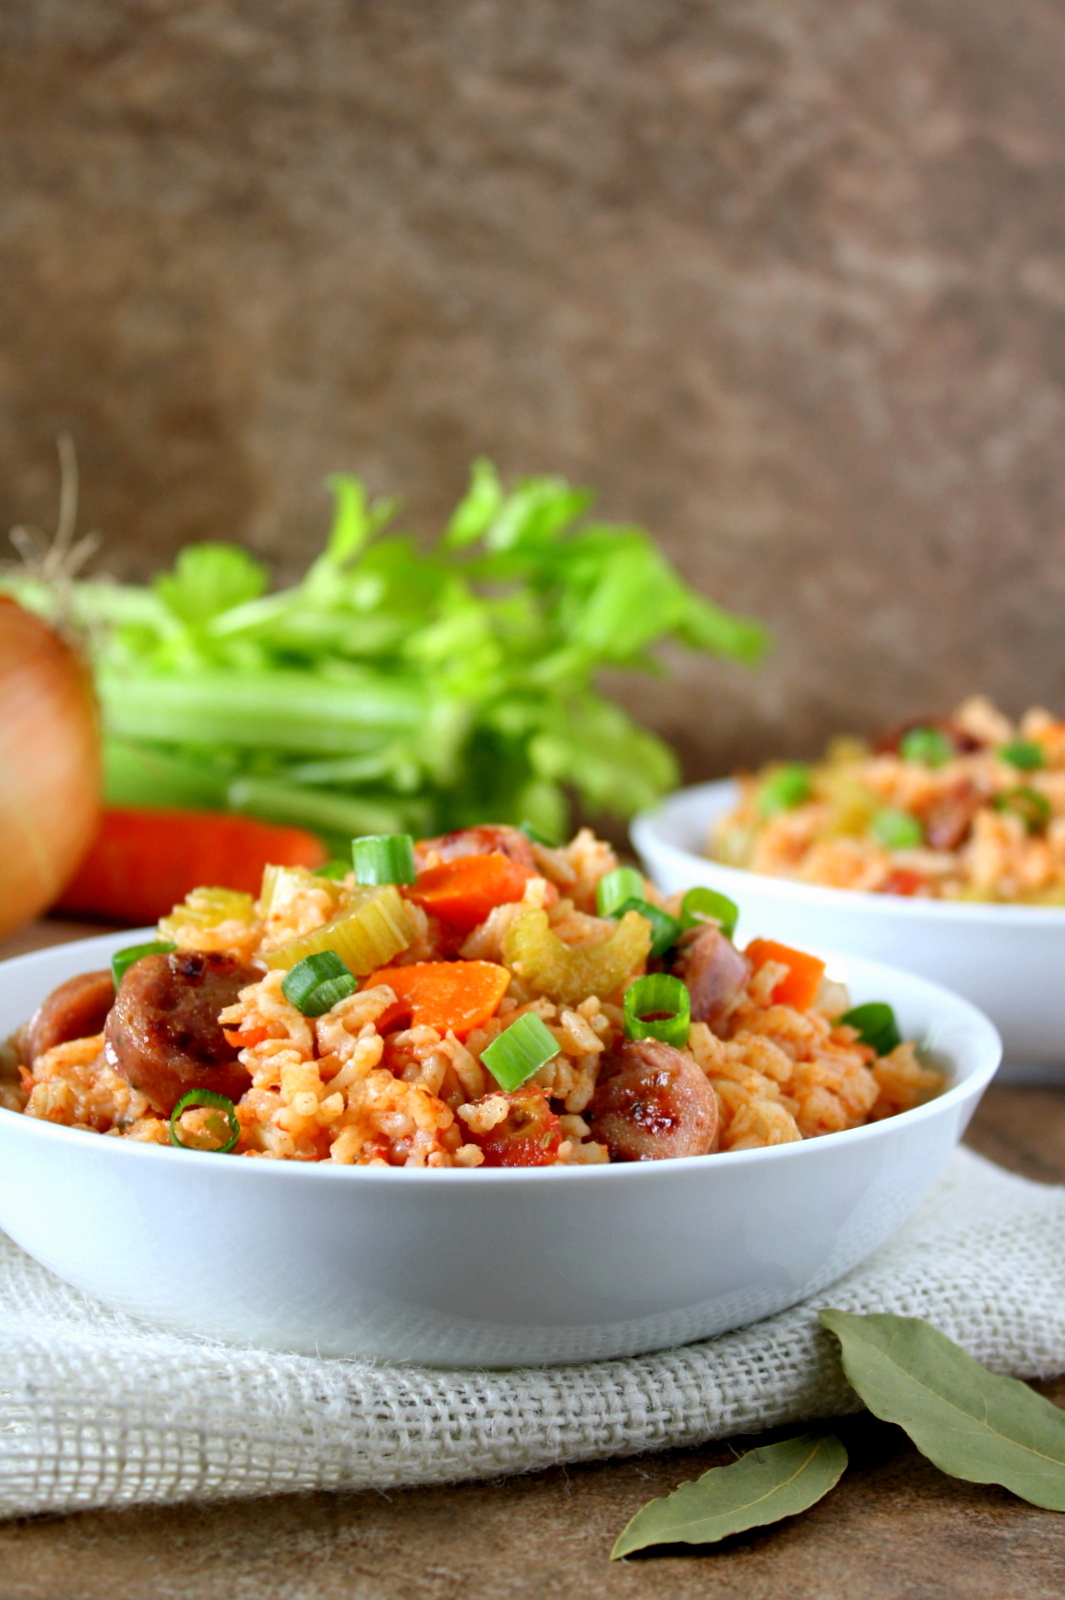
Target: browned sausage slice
pixel 714 972
pixel 656 1105
pixel 76 1010
pixel 482 841
pixel 163 1033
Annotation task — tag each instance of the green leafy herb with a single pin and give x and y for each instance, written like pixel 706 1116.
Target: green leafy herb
pixel 519 1051
pixel 876 1026
pixel 929 746
pixel 970 1422
pixel 700 903
pixel 122 960
pixel 1024 754
pixel 398 688
pixel 896 830
pixel 1032 807
pixel 783 790
pixel 658 1007
pixel 766 1485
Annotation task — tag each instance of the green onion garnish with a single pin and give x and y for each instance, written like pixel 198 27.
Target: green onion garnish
pixel 876 1026
pixel 533 833
pixel 315 984
pixel 384 858
pixel 519 1051
pixel 1032 807
pixel 624 883
pixel 700 903
pixel 930 746
pixel 665 930
pixel 337 868
pixel 896 830
pixel 1024 754
pixel 217 1102
pixel 785 789
pixel 658 1007
pixel 133 952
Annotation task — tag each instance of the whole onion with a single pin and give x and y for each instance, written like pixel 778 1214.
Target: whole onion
pixel 49 764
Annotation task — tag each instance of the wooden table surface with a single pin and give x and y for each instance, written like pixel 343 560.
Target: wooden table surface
pixel 894 1529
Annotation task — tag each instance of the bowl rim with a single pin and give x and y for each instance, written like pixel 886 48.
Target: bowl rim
pixel 647 829
pixel 986 1043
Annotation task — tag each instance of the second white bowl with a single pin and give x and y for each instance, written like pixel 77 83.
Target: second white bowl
pixel 1009 960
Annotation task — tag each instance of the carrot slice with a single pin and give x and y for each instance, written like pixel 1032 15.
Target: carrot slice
pixel 800 983
pixel 244 1038
pixel 455 995
pixel 462 892
pixel 144 862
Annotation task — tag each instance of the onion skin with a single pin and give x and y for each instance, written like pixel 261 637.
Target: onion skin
pixel 49 764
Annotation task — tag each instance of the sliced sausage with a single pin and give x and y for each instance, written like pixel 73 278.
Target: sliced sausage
pixel 714 972
pixel 948 820
pixel 656 1104
pixel 484 841
pixel 163 1033
pixel 76 1010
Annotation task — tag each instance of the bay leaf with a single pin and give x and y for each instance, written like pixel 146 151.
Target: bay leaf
pixel 970 1422
pixel 765 1485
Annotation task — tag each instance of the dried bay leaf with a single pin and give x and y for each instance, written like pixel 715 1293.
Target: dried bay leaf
pixel 765 1485
pixel 971 1423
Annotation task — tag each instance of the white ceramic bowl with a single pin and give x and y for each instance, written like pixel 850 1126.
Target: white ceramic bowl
pixel 1009 960
pixel 475 1268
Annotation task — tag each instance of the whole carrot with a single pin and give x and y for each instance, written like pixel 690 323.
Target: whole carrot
pixel 143 862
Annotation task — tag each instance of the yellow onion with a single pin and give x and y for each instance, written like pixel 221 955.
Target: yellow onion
pixel 49 764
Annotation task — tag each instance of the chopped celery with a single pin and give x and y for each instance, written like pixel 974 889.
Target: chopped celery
pixel 547 966
pixel 375 926
pixel 205 909
pixel 398 688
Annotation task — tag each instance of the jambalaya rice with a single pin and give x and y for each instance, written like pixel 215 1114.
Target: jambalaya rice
pixel 371 1082
pixel 970 807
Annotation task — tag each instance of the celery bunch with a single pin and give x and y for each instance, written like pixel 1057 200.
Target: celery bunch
pixel 396 689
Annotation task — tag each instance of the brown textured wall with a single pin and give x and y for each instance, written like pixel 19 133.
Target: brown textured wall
pixel 783 278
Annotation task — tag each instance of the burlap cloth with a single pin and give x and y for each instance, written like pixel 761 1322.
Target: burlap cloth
pixel 97 1410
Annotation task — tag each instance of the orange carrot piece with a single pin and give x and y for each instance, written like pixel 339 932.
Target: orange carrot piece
pixel 144 862
pixel 244 1038
pixel 455 995
pixel 462 892
pixel 801 982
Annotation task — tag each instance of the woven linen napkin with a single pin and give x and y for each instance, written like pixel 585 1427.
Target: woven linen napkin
pixel 99 1410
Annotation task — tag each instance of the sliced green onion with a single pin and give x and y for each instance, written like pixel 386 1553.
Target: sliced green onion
pixel 519 1051
pixel 876 1026
pixel 665 930
pixel 658 1007
pixel 896 830
pixel 217 1102
pixel 624 883
pixel 315 984
pixel 536 836
pixel 700 903
pixel 122 959
pixel 785 789
pixel 1024 754
pixel 1032 807
pixel 337 868
pixel 384 858
pixel 929 746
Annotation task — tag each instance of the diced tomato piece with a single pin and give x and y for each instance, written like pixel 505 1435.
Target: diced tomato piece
pixel 802 980
pixel 902 881
pixel 462 892
pixel 529 1135
pixel 446 995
